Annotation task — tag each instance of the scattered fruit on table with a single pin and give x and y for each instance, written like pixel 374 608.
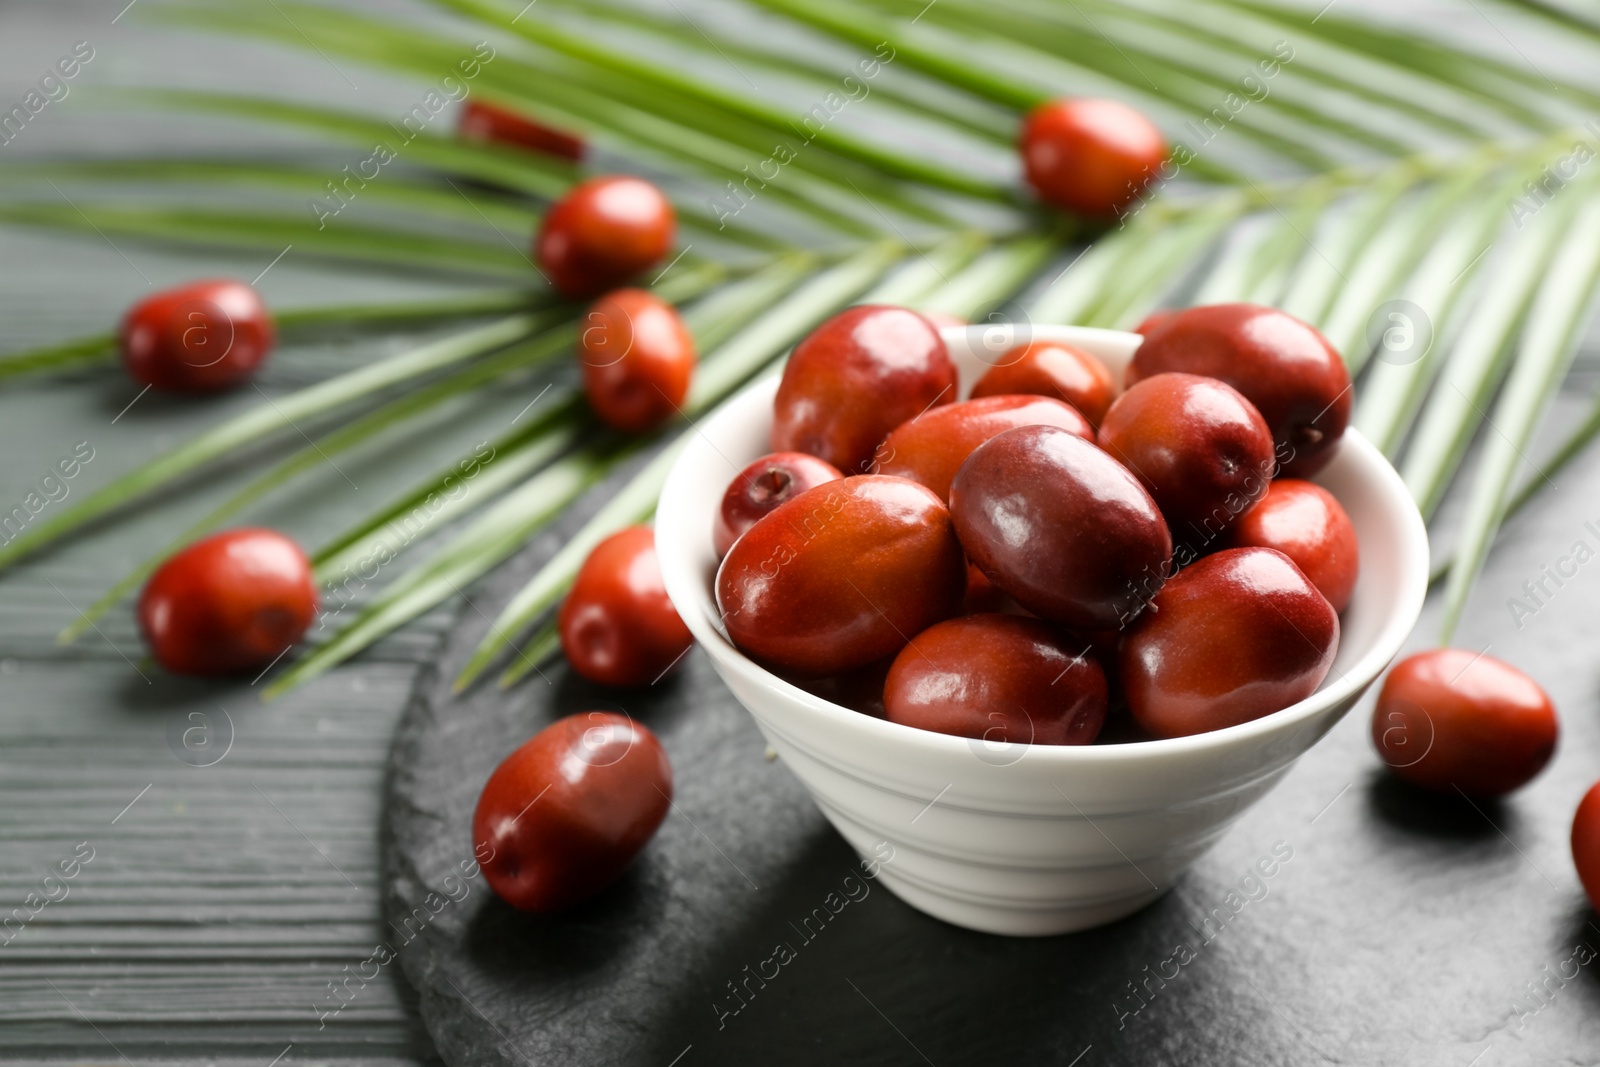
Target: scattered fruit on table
pixel 1586 844
pixel 1199 447
pixel 617 625
pixel 1450 720
pixel 197 338
pixel 1235 636
pixel 842 575
pixel 1306 523
pixel 492 124
pixel 763 485
pixel 1003 679
pixel 931 447
pixel 1053 369
pixel 637 358
pixel 1283 366
pixel 855 378
pixel 1092 157
pixel 602 234
pixel 232 602
pixel 1061 527
pixel 564 815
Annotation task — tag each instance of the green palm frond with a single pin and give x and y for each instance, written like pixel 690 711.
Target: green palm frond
pixel 1328 163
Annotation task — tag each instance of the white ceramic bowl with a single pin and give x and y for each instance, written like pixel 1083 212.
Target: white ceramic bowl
pixel 1035 839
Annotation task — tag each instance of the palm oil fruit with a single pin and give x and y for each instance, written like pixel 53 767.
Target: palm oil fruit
pixel 1053 369
pixel 231 602
pixel 565 814
pixel 1306 523
pixel 1449 720
pixel 491 124
pixel 197 338
pixel 1002 679
pixel 602 234
pixel 1586 844
pixel 931 447
pixel 842 575
pixel 1198 446
pixel 760 488
pixel 1092 157
pixel 854 379
pixel 1061 527
pixel 637 359
pixel 1232 637
pixel 617 625
pixel 1283 366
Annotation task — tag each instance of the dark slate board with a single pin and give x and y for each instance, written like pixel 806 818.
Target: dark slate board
pixel 1404 929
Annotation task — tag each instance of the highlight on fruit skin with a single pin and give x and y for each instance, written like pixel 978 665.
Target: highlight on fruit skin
pixel 201 337
pixel 637 359
pixel 488 123
pixel 1090 156
pixel 1451 720
pixel 231 602
pixel 605 232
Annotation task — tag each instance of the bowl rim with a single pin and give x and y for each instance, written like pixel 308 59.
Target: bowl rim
pixel 678 573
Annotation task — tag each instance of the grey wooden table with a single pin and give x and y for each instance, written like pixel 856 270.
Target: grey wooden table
pixel 234 867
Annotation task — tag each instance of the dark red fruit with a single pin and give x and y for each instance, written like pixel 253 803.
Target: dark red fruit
pixel 637 358
pixel 855 378
pixel 1449 719
pixel 1284 367
pixel 1200 448
pixel 1586 844
pixel 617 625
pixel 1062 527
pixel 566 813
pixel 231 602
pixel 999 678
pixel 1092 157
pixel 1304 522
pixel 603 233
pixel 1152 320
pixel 490 123
pixel 1230 638
pixel 197 338
pixel 761 487
pixel 931 447
pixel 1050 368
pixel 842 575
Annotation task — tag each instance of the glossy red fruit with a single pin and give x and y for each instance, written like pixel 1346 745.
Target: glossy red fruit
pixel 855 378
pixel 1283 366
pixel 1586 844
pixel 1050 368
pixel 1062 527
pixel 1306 523
pixel 761 487
pixel 1003 679
pixel 1235 636
pixel 1092 157
pixel 1449 719
pixel 231 602
pixel 842 575
pixel 485 122
pixel 931 447
pixel 617 625
pixel 197 338
pixel 603 233
pixel 983 597
pixel 1198 446
pixel 566 813
pixel 637 358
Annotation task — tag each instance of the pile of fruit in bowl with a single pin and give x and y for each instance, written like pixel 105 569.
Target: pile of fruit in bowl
pixel 1015 565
